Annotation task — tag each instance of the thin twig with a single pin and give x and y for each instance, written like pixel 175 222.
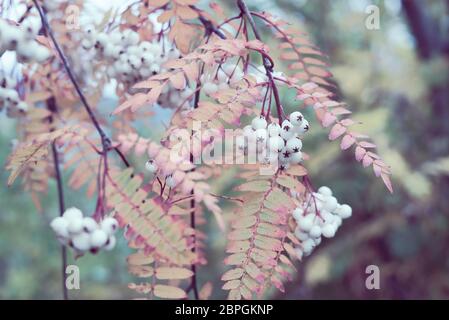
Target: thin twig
pixel 61 212
pixel 51 105
pixel 208 25
pixel 267 62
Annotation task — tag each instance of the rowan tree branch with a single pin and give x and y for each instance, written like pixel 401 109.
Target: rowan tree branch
pixel 105 140
pixel 51 105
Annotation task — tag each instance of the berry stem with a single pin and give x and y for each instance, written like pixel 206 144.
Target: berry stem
pixel 267 62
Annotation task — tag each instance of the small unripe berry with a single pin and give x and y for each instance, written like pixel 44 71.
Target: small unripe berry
pixel 171 182
pixel 151 166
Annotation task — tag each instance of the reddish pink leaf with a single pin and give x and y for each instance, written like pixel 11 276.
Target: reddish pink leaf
pixel 367 145
pixel 359 153
pixel 337 131
pixel 178 80
pixel 340 111
pixel 367 161
pixel 377 170
pixel 347 122
pixel 328 119
pixel 331 103
pixel 347 142
pixel 387 181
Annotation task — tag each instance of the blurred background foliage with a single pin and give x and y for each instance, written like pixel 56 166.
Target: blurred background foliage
pixel 396 81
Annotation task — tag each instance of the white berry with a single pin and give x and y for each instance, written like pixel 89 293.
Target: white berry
pixel 306 222
pixel 303 128
pixel 81 241
pixel 98 239
pixel 75 226
pixel 331 204
pixel 315 232
pixel 344 211
pixel 89 225
pixel 294 144
pixel 59 226
pixel 328 230
pixel 73 214
pixel 325 191
pixel 276 144
pixel 298 213
pixel 259 123
pixel 274 129
pixel 110 244
pixel 296 118
pixel 151 166
pixel 109 225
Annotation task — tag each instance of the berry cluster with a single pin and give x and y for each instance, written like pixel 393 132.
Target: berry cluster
pixel 10 98
pixel 129 59
pixel 320 215
pixel 84 233
pixel 221 78
pixel 275 144
pixel 21 39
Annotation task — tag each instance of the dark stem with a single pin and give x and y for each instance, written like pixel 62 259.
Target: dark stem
pixel 267 62
pixel 193 284
pixel 106 142
pixel 51 105
pixel 61 212
pixel 208 25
